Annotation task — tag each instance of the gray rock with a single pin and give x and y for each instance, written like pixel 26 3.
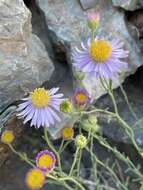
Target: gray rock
pixel 141 2
pixel 24 63
pixel 87 4
pixel 66 20
pixel 130 5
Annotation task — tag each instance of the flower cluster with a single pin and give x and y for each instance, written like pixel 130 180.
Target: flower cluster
pixel 45 162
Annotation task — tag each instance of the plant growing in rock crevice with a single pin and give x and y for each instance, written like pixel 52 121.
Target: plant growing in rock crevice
pixel 101 59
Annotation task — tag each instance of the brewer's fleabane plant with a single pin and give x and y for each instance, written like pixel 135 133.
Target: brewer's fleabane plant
pixel 102 59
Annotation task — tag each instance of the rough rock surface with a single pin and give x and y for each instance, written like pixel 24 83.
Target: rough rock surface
pixel 68 36
pixel 87 4
pixel 24 63
pixel 128 4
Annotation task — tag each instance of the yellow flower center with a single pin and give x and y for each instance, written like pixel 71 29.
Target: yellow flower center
pixel 80 97
pixel 100 50
pixel 35 179
pixel 7 136
pixel 67 132
pixel 40 97
pixel 45 160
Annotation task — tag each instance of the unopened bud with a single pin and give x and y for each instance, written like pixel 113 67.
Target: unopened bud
pixel 81 141
pixel 93 19
pixel 90 124
pixel 66 106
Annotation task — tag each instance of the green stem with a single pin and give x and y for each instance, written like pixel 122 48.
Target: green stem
pixel 114 102
pixel 92 159
pixel 67 178
pixel 74 162
pixel 119 155
pixel 79 162
pixel 53 149
pixel 130 133
pixel 74 181
pixel 65 145
pixel 99 110
pixel 127 128
pixel 139 123
pixel 67 186
pixel 110 92
pixel 61 146
pixel 92 33
pixel 127 101
pixel 21 156
pixel 59 182
pixel 107 168
pixel 103 85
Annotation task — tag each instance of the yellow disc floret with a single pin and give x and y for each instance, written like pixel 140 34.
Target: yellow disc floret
pixel 7 137
pixel 40 97
pixel 67 132
pixel 80 97
pixel 45 160
pixel 35 179
pixel 100 50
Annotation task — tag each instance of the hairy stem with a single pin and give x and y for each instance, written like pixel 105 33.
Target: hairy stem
pixel 74 162
pixel 127 101
pixel 23 157
pixel 53 149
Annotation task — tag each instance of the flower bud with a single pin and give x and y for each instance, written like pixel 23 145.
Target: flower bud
pixel 93 19
pixel 67 132
pixel 90 124
pixel 81 97
pixel 81 141
pixel 66 106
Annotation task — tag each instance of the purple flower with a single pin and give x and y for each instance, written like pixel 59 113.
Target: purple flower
pixel 81 97
pixel 45 160
pixel 100 58
pixel 41 107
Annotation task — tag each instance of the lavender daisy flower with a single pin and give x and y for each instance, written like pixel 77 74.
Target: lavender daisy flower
pixel 81 97
pixel 101 57
pixel 45 160
pixel 41 107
